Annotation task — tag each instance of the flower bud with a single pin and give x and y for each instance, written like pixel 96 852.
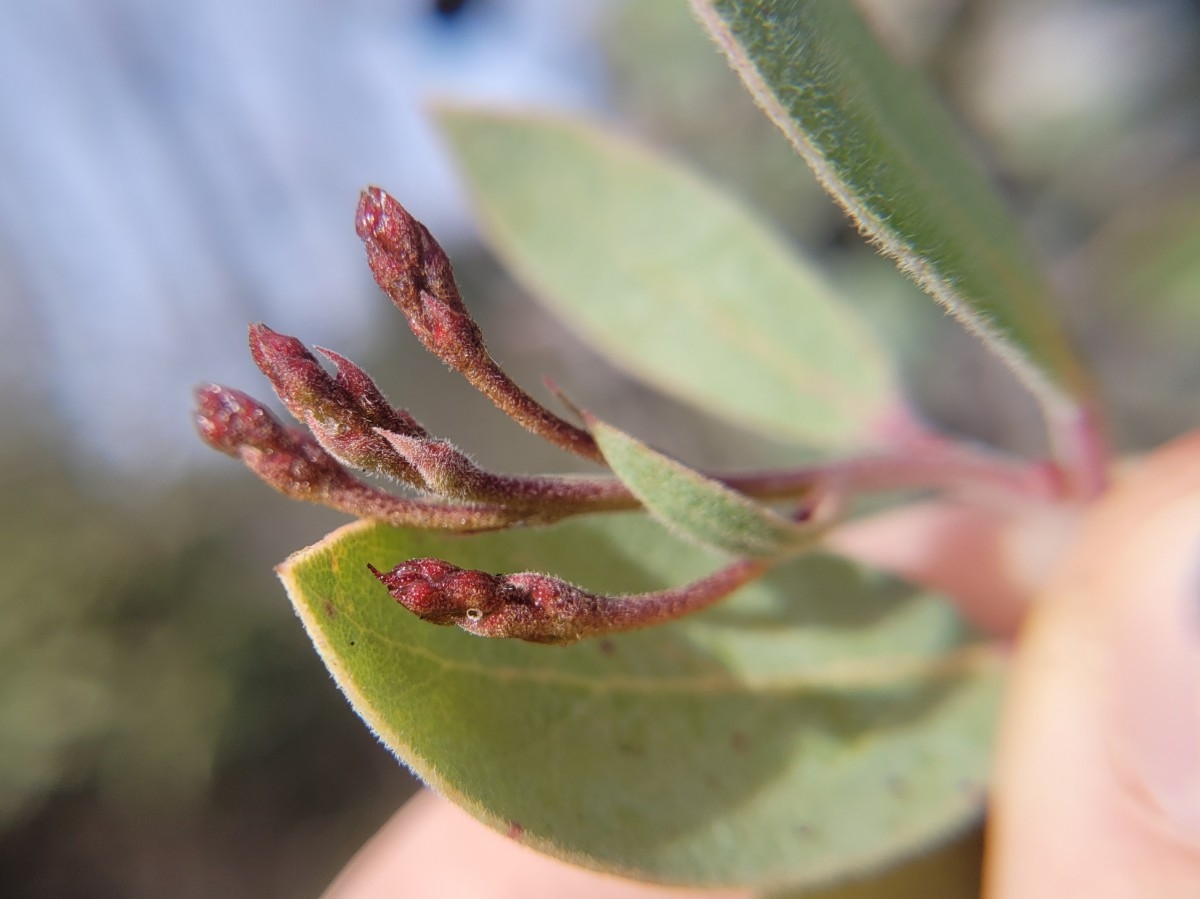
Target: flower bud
pixel 370 400
pixel 527 606
pixel 445 469
pixel 412 268
pixel 541 608
pixel 286 458
pixel 294 463
pixel 342 413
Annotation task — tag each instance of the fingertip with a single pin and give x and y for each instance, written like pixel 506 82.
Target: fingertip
pixel 434 850
pixel 1097 787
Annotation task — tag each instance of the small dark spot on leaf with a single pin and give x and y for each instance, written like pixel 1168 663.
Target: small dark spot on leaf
pixel 632 748
pixel 738 741
pixel 608 647
pixel 515 830
pixel 330 609
pixel 351 642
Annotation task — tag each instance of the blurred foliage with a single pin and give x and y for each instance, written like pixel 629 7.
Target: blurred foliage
pixel 150 685
pixel 1137 280
pixel 672 85
pixel 674 88
pixel 1109 207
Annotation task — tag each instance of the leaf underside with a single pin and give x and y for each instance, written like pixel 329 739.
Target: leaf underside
pixel 671 279
pixel 883 147
pixel 821 720
pixel 694 506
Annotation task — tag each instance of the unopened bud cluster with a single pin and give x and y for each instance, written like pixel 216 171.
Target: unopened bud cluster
pixel 351 425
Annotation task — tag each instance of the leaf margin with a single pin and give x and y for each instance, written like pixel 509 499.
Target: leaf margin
pixel 973 659
pixel 1067 400
pixel 891 402
pixel 763 532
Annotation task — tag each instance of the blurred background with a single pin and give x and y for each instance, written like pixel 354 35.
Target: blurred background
pixel 173 171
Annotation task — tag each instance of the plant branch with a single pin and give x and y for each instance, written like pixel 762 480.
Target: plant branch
pixel 343 412
pixel 541 608
pixel 940 465
pixel 414 271
pixel 449 472
pixel 353 424
pixel 294 463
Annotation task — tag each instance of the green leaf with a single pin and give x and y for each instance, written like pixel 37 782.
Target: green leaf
pixel 884 148
pixel 672 279
pixel 819 722
pixel 695 506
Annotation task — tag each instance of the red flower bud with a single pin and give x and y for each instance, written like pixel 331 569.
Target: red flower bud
pixel 294 463
pixel 415 272
pixel 541 608
pixel 369 399
pixel 413 269
pixel 343 413
pixel 286 458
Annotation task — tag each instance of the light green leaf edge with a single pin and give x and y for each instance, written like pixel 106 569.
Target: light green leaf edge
pixel 883 147
pixel 670 278
pixel 819 723
pixel 694 506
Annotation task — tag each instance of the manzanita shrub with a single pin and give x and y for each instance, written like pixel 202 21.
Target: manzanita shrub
pixel 815 718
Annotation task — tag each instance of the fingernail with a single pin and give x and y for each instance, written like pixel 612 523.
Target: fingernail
pixel 1155 675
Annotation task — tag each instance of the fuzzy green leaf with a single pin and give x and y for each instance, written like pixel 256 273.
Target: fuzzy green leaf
pixel 819 721
pixel 671 279
pixel 695 506
pixel 884 148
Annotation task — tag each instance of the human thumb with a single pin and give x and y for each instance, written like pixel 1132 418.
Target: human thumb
pixel 1097 788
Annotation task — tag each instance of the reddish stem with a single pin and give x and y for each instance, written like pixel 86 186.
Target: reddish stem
pixel 1079 441
pixel 292 462
pixel 937 464
pixel 414 271
pixel 543 609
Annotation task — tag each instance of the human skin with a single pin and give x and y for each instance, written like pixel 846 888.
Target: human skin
pixel 1097 784
pixel 1097 787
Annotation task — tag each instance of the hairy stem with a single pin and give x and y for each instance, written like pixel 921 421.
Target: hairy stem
pixel 414 271
pixel 944 465
pixel 541 608
pixel 292 462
